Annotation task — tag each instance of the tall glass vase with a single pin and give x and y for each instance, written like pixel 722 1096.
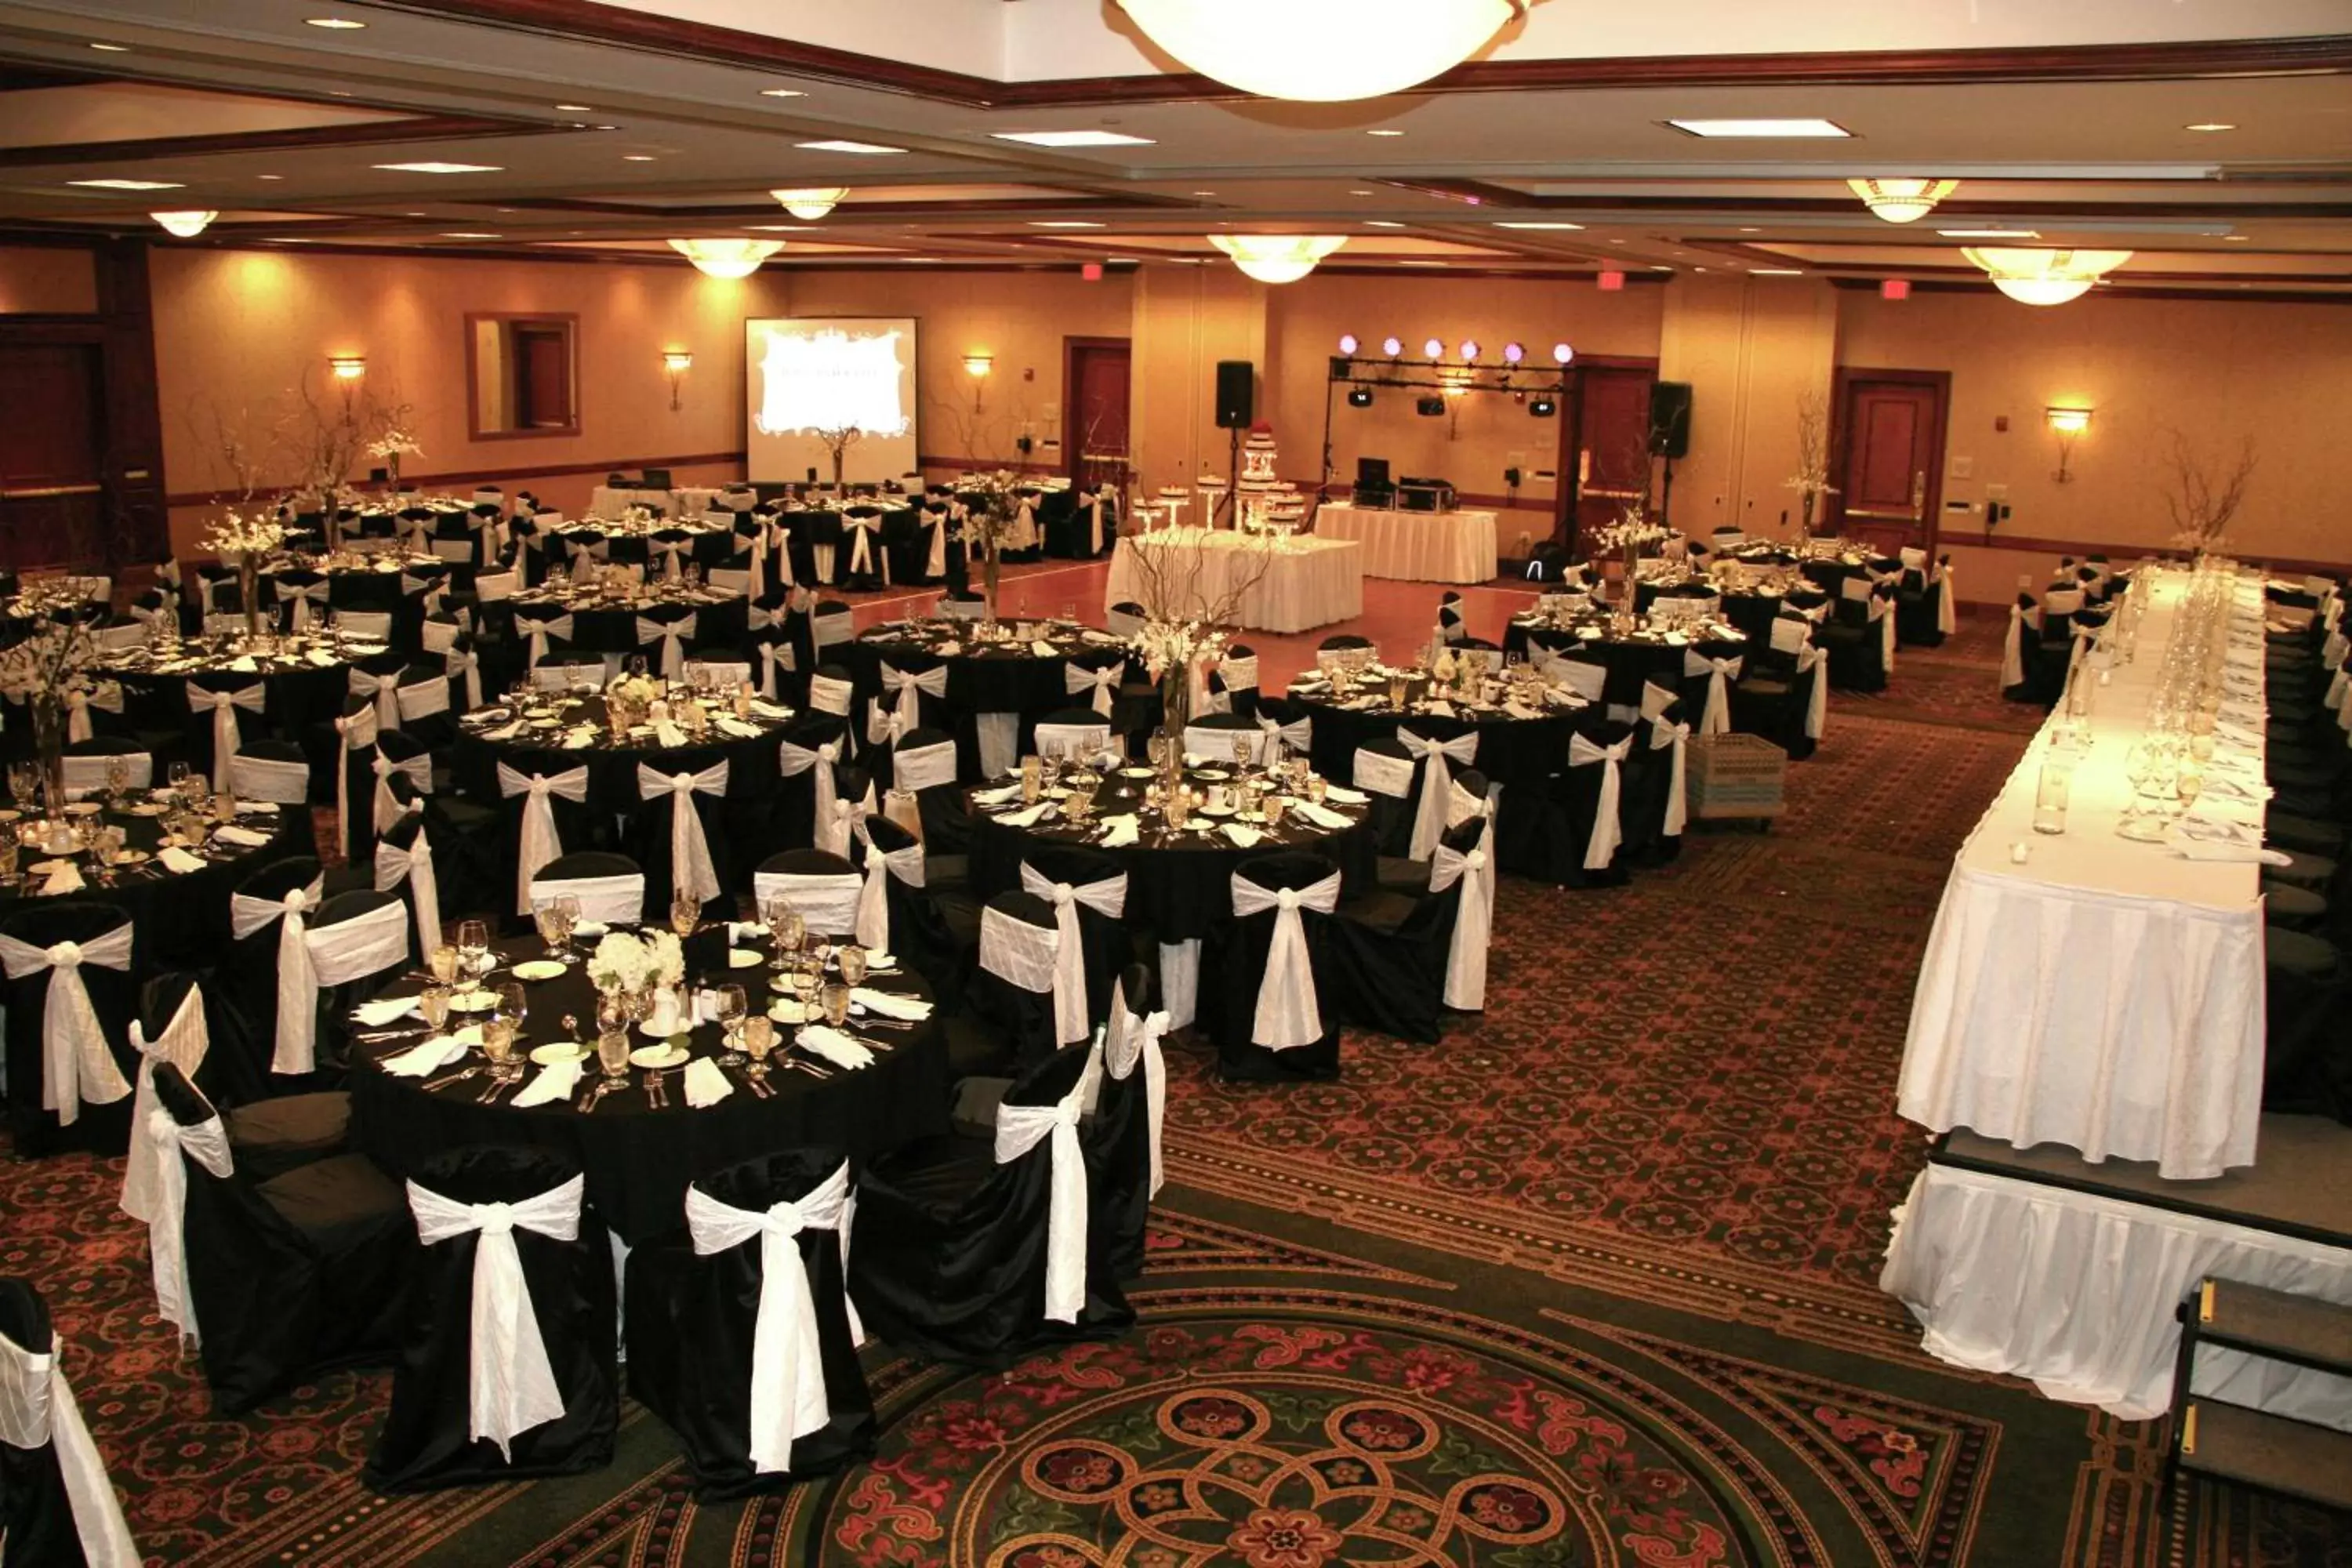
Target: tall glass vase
pixel 48 708
pixel 992 573
pixel 1629 599
pixel 249 587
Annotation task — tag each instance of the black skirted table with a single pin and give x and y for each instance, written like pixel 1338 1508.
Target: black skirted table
pixel 1179 882
pixel 534 739
pixel 1528 744
pixel 304 678
pixel 639 1156
pixel 604 623
pixel 1011 674
pixel 1632 659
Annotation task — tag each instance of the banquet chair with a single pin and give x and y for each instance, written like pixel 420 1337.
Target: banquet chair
pixel 1856 637
pixel 375 625
pixel 830 622
pixel 822 888
pixel 376 677
pixel 716 670
pixel 963 605
pixel 1783 694
pixel 662 633
pixel 503 1231
pixel 1224 739
pixel 263 943
pixel 912 698
pixel 1397 957
pixel 1467 794
pixel 826 556
pixel 1086 889
pixel 1566 828
pixel 918 932
pixel 1123 1140
pixel 1451 626
pixel 1267 971
pixel 57 1505
pixel 1233 684
pixel 55 953
pixel 405 864
pixel 1332 649
pixel 739 1332
pixel 1386 771
pixel 807 755
pixel 356 942
pixel 611 888
pixel 977 1255
pixel 566 671
pixel 832 690
pixel 538 814
pixel 1076 732
pixel 422 697
pixel 1653 800
pixel 2307 987
pixel 864 563
pixel 1921 614
pixel 275 1280
pixel 1015 992
pixel 88 763
pixel 272 771
pixel 667 549
pixel 917 539
pixel 922 762
pixel 678 830
pixel 270 1129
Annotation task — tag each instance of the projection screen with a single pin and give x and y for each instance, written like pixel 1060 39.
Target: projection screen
pixel 805 375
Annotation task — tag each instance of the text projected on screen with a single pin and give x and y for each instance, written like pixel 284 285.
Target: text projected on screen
pixel 816 383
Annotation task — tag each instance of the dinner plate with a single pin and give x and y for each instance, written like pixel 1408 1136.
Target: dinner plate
pixel 1217 810
pixel 83 808
pixel 145 808
pixel 785 1010
pixel 665 1055
pixel 132 857
pixel 549 1055
pixel 2142 829
pixel 11 816
pixel 744 958
pixel 1212 774
pixel 538 969
pixel 473 1001
pixel 543 723
pixel 1136 773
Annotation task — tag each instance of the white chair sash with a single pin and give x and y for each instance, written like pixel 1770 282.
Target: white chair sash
pixel 2012 648
pixel 1107 897
pixel 491 586
pixel 373 625
pixel 223 706
pixel 835 627
pixel 1102 684
pixel 1587 680
pixel 1947 617
pixel 1383 774
pixel 726 674
pixel 358 732
pixel 828 694
pixel 541 629
pixel 1021 1128
pixel 1239 674
pixel 511 1385
pixel 465 665
pixel 787 1392
pixel 908 690
pixel 828 901
pixel 76 1064
pixel 541 840
pixel 1090 739
pixel 352 949
pixel 1812 663
pixel 672 636
pixel 292 1049
pixel 1719 673
pixel 774 656
pixel 1136 1037
pixel 1607 832
pixel 919 768
pixel 793 760
pixel 167 1255
pixel 265 778
pixel 83 776
pixel 612 901
pixel 1018 952
pixel 38 1410
pixel 935 564
pixel 1221 744
pixel 384 689
pixel 79 700
pixel 302 595
pixel 1790 632
pixel 412 866
pixel 185 1042
pixel 690 870
pixel 419 772
pixel 423 698
pixel 1662 735
pixel 1436 784
pixel 1466 960
pixel 862 551
pixel 1298 735
pixel 1289 1014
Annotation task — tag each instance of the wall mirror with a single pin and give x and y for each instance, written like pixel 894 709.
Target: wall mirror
pixel 522 376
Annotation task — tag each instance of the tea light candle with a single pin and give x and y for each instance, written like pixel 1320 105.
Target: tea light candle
pixel 2017 852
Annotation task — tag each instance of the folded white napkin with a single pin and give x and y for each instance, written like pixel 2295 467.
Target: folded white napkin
pixel 423 1061
pixel 504 732
pixel 1027 816
pixel 243 664
pixel 730 725
pixel 1321 816
pixel 242 836
pixel 1242 834
pixel 705 1084
pixel 552 1083
pixel 1512 707
pixel 669 735
pixel 739 930
pixel 578 738
pixel 375 1015
pixel 1344 796
pixel 323 659
pixel 1676 639
pixel 1118 832
pixel 835 1047
pixel 766 710
pixel 63 879
pixel 1004 796
pixel 949 650
pixel 175 858
pixel 257 809
pixel 889 1004
pixel 2207 849
pixel 1044 649
pixel 1441 708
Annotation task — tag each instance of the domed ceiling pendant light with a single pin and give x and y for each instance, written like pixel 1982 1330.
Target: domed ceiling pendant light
pixel 727 258
pixel 2040 277
pixel 1277 257
pixel 1323 51
pixel 1902 201
pixel 184 225
pixel 809 205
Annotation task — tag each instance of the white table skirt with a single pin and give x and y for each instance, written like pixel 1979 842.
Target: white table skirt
pixel 2103 994
pixel 1417 546
pixel 2076 1291
pixel 1308 582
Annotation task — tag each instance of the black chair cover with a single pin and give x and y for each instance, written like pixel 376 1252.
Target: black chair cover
pixel 1389 954
pixel 647 837
pixel 1119 1141
pixel 1108 945
pixel 1233 967
pixel 37 1512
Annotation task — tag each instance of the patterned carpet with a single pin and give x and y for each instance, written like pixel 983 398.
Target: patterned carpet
pixel 1591 1283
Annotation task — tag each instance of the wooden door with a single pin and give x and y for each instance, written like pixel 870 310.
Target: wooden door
pixel 1891 436
pixel 543 378
pixel 1604 447
pixel 1095 411
pixel 52 455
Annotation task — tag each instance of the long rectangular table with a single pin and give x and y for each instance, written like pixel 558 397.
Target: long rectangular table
pixel 2103 994
pixel 1416 546
pixel 1309 581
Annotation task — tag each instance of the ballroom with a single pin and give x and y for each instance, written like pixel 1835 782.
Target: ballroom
pixel 1157 783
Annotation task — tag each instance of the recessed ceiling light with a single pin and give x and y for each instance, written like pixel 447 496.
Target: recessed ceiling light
pixel 1660 267
pixel 127 184
pixel 1502 225
pixel 112 48
pixel 574 109
pixel 1990 233
pixel 440 168
pixel 1817 128
pixel 781 92
pixel 1072 138
pixel 1359 193
pixel 865 147
pixel 1421 264
pixel 636 157
pixel 1383 132
pixel 337 93
pixel 1746 230
pixel 1381 223
pixel 2239 239
pixel 2211 125
pixel 463 234
pixel 1204 192
pixel 1773 271
pixel 269 176
pixel 335 24
pixel 1061 223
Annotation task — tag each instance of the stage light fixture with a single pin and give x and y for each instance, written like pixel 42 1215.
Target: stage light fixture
pixel 1542 408
pixel 1359 397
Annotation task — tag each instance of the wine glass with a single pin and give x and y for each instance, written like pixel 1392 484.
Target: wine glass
pixel 733 1007
pixel 23 781
pixel 176 775
pixel 512 1004
pixel 759 1039
pixel 474 948
pixel 806 975
pixel 568 908
pixel 118 776
pixel 790 929
pixel 613 1053
pixel 684 914
pixel 835 1001
pixel 551 929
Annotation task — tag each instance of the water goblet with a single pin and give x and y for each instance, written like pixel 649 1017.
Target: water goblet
pixel 498 1044
pixel 513 1005
pixel 759 1039
pixel 835 1001
pixel 806 976
pixel 443 962
pixel 733 1007
pixel 684 914
pixel 23 781
pixel 433 1006
pixel 550 929
pixel 474 948
pixel 613 1052
pixel 852 959
pixel 567 908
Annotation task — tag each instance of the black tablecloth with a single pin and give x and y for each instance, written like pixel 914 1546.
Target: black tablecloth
pixel 1508 748
pixel 996 678
pixel 752 767
pixel 1631 662
pixel 719 623
pixel 295 698
pixel 1179 891
pixel 639 1160
pixel 182 918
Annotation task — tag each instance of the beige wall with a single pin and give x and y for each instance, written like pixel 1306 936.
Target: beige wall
pixel 1751 348
pixel 1187 319
pixel 40 280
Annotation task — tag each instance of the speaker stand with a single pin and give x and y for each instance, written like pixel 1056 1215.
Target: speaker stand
pixel 1232 476
pixel 1667 497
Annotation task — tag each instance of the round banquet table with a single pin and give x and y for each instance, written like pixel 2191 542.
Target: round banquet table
pixel 305 679
pixel 1632 660
pixel 1017 675
pixel 638 1157
pixel 1177 886
pixel 1751 610
pixel 603 622
pixel 182 917
pixel 752 768
pixel 1509 748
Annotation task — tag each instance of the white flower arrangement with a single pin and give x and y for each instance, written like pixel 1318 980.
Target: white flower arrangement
pixel 1164 646
pixel 394 444
pixel 637 517
pixel 1631 532
pixel 626 962
pixel 236 534
pixel 668 957
pixel 636 689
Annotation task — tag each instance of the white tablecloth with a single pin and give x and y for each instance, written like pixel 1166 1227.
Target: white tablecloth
pixel 1308 582
pixel 2105 995
pixel 689 501
pixel 2076 1290
pixel 1418 546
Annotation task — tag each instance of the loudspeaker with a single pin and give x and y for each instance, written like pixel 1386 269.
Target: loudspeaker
pixel 1670 414
pixel 1236 393
pixel 1430 407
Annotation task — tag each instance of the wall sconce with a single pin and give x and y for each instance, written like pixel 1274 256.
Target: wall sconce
pixel 348 367
pixel 977 367
pixel 2068 423
pixel 678 362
